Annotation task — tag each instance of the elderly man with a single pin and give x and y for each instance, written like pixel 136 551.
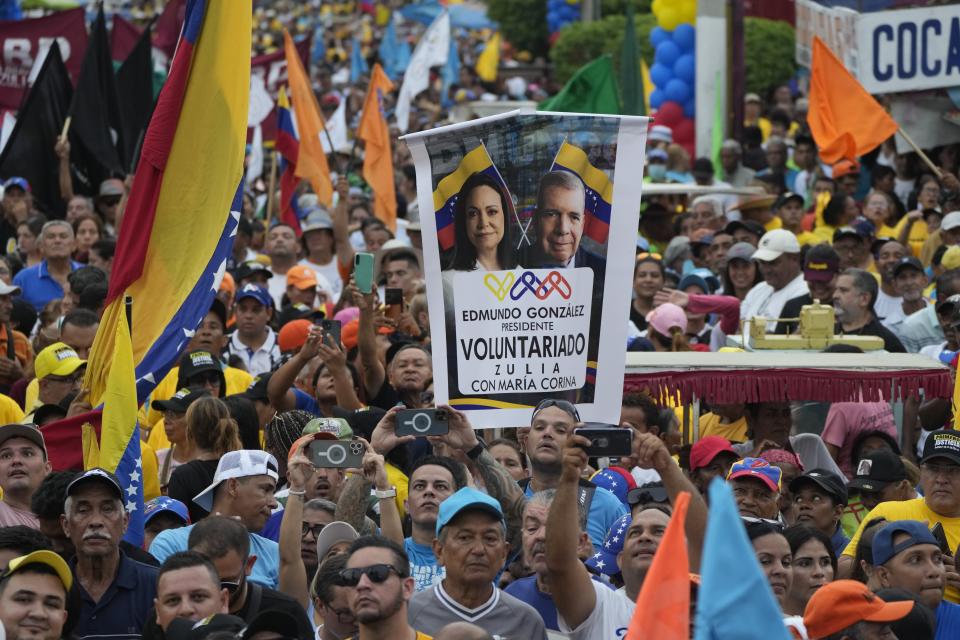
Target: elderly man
pixel 853 301
pixel 778 257
pixel 925 327
pixel 558 220
pixel 708 213
pixel 756 488
pixel 940 478
pixel 113 593
pixel 33 596
pixel 44 282
pixel 471 545
pixel 23 466
pixel 188 587
pixel 820 268
pixel 733 171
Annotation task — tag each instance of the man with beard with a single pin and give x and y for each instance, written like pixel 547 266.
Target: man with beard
pixel 853 301
pixel 242 488
pixel 888 256
pixel 112 594
pixel 378 576
pixel 911 281
pixel 23 466
pixel 282 246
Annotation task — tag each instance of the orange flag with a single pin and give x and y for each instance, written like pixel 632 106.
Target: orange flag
pixel 663 606
pixel 311 160
pixel 845 120
pixel 378 157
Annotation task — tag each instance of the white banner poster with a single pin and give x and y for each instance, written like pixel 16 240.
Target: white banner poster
pixel 529 260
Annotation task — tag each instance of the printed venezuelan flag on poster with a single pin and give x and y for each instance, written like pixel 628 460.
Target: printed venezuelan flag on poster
pixel 445 195
pixel 597 187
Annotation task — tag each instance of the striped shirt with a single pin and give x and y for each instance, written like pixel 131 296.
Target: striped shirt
pixel 501 615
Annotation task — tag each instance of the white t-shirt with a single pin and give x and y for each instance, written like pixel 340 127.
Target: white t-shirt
pixel 933 350
pixel 763 301
pixel 888 308
pixel 328 277
pixel 609 619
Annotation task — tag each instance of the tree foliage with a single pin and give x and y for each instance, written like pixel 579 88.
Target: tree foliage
pixel 522 22
pixel 769 54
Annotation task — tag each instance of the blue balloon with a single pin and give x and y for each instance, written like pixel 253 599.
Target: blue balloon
pixel 658 35
pixel 667 53
pixel 660 74
pixel 656 98
pixel 685 68
pixel 677 91
pixel 685 36
pixel 690 108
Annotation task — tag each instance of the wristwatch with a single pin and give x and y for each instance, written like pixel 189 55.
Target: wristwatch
pixel 384 495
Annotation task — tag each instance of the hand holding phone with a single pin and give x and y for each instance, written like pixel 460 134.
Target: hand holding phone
pixel 423 422
pixel 331 331
pixel 363 271
pixel 336 454
pixel 606 440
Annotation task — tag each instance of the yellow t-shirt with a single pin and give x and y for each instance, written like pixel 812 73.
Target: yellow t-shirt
pixel 238 381
pixel 151 472
pixel 399 480
pixel 918 234
pixel 886 232
pixel 806 238
pixel 824 233
pixel 774 223
pixel 915 509
pixel 32 394
pixel 10 411
pixel 710 425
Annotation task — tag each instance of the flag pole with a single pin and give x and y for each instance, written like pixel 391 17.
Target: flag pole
pixel 272 187
pixel 926 159
pixel 66 128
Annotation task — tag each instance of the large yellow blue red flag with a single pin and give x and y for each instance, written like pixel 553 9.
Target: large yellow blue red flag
pixel 181 217
pixel 598 189
pixel 378 156
pixel 448 189
pixel 311 160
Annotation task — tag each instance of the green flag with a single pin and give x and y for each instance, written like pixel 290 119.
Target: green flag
pixel 592 89
pixel 631 88
pixel 719 120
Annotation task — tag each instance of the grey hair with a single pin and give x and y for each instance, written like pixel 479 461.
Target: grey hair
pixel 68 503
pixel 545 499
pixel 713 201
pixel 319 504
pixel 732 145
pixel 561 179
pixel 776 140
pixel 864 282
pixel 55 223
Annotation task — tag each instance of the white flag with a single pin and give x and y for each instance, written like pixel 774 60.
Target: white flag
pixel 255 167
pixel 337 128
pixel 431 51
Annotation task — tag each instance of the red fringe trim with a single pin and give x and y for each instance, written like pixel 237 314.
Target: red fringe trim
pixel 726 386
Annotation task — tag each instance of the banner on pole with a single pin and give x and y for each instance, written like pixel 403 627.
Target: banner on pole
pixel 528 254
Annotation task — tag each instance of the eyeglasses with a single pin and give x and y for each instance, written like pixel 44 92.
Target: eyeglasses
pixel 111 201
pixel 207 377
pixel 563 405
pixel 71 379
pixel 377 573
pixel 641 495
pixel 232 586
pixel 646 255
pixel 315 529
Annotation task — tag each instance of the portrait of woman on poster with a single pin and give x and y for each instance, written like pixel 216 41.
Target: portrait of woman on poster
pixel 481 228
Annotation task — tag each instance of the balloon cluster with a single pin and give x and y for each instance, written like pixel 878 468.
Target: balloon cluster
pixel 560 13
pixel 674 68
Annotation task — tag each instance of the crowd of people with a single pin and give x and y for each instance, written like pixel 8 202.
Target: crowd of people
pixel 252 531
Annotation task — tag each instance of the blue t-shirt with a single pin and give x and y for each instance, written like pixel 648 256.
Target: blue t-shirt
pixel 948 621
pixel 271 531
pixel 305 403
pixel 605 509
pixel 38 287
pixel 423 564
pixel 526 589
pixel 266 570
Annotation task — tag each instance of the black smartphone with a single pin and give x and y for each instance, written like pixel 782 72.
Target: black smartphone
pixel 336 454
pixel 607 440
pixel 941 537
pixel 393 299
pixel 422 422
pixel 331 330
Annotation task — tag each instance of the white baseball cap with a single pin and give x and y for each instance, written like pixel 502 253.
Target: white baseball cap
pixel 238 464
pixel 775 243
pixel 950 221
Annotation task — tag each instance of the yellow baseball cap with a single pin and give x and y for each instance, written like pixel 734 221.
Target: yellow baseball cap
pixel 48 558
pixel 58 359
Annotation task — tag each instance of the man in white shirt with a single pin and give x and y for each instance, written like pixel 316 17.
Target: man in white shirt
pixel 253 341
pixel 319 248
pixel 778 257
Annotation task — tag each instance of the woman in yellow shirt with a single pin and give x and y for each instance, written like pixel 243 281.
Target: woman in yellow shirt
pixel 878 209
pixel 909 228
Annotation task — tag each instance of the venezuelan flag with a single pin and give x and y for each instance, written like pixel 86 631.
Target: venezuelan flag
pixel 179 223
pixel 597 187
pixel 447 191
pixel 289 147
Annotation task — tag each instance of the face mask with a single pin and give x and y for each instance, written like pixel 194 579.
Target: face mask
pixel 657 171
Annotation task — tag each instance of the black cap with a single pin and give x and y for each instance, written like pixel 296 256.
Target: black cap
pixel 826 480
pixel 48 413
pixel 787 197
pixel 907 262
pixel 258 388
pixel 217 307
pixel 251 268
pixel 877 244
pixel 180 401
pixel 186 629
pixel 702 167
pixel 272 620
pixel 878 469
pixel 96 475
pixel 944 443
pixel 753 227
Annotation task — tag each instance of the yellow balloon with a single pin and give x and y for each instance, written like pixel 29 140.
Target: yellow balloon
pixel 688 12
pixel 669 18
pixel 573 1
pixel 656 6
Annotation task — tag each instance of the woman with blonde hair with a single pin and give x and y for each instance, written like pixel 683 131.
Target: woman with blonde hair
pixel 211 432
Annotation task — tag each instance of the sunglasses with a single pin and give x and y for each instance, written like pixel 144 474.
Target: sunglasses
pixel 563 405
pixel 645 496
pixel 378 573
pixel 775 524
pixel 315 529
pixel 646 255
pixel 232 586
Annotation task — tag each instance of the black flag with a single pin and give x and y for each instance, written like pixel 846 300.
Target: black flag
pixel 135 88
pixel 96 133
pixel 29 152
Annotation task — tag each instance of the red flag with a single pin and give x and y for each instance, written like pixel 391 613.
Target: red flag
pixel 663 606
pixel 166 33
pixel 123 38
pixel 64 440
pixel 844 119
